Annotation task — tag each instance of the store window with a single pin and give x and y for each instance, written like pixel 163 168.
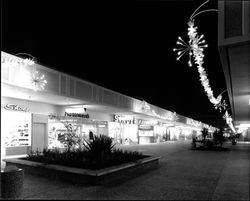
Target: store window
pixel 15 128
pixel 146 134
pixel 83 128
pixel 160 133
pixel 123 133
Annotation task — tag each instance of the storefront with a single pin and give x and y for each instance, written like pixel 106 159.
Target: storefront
pixel 37 101
pixel 15 127
pixel 83 128
pixel 123 129
pixel 24 125
pixel 29 125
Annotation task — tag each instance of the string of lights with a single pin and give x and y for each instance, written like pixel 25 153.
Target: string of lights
pixel 195 48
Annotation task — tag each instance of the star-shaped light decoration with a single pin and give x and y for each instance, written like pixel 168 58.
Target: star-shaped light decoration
pixel 221 105
pixel 28 61
pixel 38 81
pixel 227 117
pixel 194 46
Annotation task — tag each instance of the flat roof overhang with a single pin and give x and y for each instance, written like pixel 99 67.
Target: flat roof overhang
pixel 16 92
pixel 236 66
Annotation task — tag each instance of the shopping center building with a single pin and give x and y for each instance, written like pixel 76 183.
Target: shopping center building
pixel 37 102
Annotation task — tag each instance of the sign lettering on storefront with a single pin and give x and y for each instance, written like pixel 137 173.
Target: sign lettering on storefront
pixel 124 119
pixel 76 115
pixel 193 122
pixel 16 107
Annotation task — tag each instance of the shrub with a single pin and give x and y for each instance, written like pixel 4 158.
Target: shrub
pixel 204 133
pixel 208 144
pixel 100 147
pixel 96 154
pixel 218 137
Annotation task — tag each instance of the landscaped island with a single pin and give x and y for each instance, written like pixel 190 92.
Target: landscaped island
pixel 215 143
pixel 93 161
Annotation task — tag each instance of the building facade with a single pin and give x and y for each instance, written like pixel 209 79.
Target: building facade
pixel 234 49
pixel 38 102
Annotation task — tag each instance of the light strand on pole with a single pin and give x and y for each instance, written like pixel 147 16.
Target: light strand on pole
pixel 195 48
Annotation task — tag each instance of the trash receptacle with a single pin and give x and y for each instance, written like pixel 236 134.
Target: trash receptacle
pixel 12 182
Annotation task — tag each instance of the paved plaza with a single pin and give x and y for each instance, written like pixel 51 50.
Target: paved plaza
pixel 183 174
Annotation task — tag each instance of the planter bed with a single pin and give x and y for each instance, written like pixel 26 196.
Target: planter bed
pixel 110 175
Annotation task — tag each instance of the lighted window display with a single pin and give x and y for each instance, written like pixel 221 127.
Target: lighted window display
pixel 146 131
pixel 57 128
pixel 115 131
pixel 101 128
pixel 146 134
pixel 160 132
pixel 174 133
pixel 122 132
pixel 15 128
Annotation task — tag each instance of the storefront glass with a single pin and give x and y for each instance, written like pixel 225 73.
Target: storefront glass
pixel 15 128
pixel 160 133
pixel 82 128
pixel 123 133
pixel 146 134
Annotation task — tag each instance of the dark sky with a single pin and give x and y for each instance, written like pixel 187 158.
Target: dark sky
pixel 125 46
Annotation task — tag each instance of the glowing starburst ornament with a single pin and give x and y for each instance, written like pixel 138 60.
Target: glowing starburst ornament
pixel 38 82
pixel 221 105
pixel 227 117
pixel 28 61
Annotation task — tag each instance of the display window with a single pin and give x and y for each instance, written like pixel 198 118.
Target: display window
pixel 83 129
pixel 173 133
pixel 146 134
pixel 146 131
pixel 160 133
pixel 123 133
pixel 15 128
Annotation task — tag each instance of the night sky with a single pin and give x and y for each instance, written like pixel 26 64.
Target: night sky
pixel 121 45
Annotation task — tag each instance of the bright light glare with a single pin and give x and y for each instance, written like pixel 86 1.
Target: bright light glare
pixel 243 126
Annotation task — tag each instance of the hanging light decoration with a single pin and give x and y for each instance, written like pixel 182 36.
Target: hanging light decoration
pixel 29 60
pixel 195 48
pixel 38 81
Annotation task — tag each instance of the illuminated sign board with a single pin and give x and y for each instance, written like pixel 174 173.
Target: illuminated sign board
pixel 17 60
pixel 193 122
pixel 124 119
pixel 81 115
pixel 16 107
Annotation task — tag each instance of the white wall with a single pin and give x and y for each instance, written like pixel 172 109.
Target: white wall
pixel 34 107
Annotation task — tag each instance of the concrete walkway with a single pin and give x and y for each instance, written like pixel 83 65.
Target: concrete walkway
pixel 183 174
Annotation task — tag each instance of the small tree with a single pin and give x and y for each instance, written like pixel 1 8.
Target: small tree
pixel 218 137
pixel 70 138
pixel 204 133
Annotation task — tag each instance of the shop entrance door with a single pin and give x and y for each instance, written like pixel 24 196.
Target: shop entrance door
pixel 38 138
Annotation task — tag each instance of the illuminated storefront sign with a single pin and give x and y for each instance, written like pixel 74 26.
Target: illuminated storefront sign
pixel 145 107
pixel 17 61
pixel 124 119
pixel 193 122
pixel 170 116
pixel 16 107
pixel 81 115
